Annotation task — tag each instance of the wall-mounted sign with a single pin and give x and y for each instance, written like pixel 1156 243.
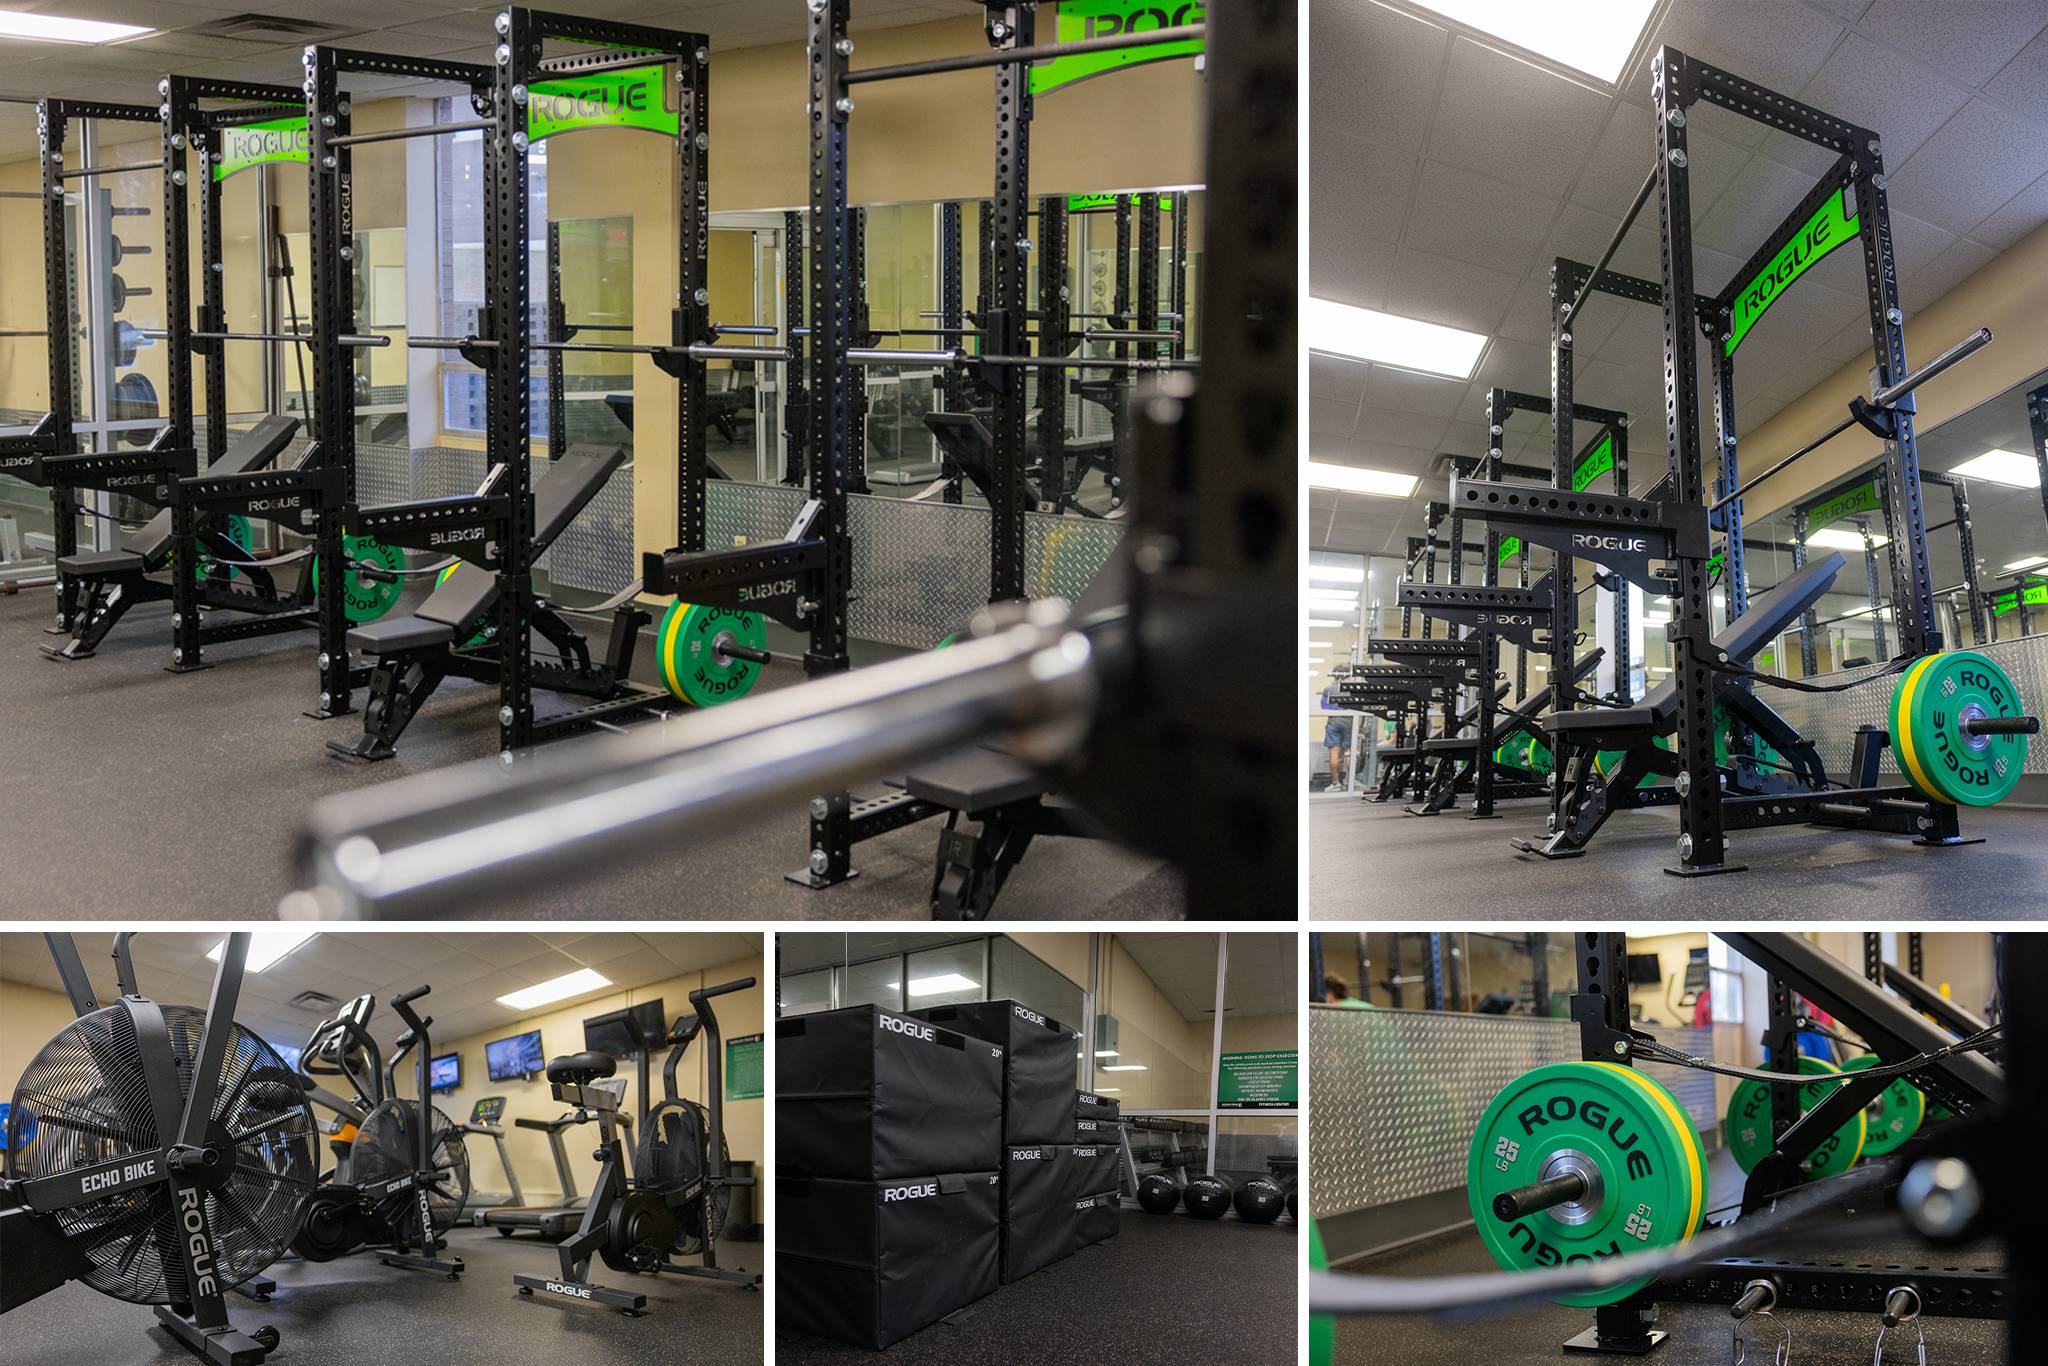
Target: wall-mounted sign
pixel 1082 19
pixel 1862 498
pixel 744 1067
pixel 1259 1081
pixel 634 98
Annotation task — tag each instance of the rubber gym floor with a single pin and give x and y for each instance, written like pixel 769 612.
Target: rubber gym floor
pixel 1367 858
pixel 1699 1332
pixel 357 1310
pixel 133 793
pixel 1169 1290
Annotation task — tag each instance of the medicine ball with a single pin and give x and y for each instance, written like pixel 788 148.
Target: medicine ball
pixel 1207 1197
pixel 1259 1201
pixel 1157 1195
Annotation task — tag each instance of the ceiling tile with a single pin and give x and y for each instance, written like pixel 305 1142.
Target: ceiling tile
pixel 1407 391
pixel 1965 39
pixel 1389 427
pixel 1477 219
pixel 2016 218
pixel 1373 68
pixel 2023 83
pixel 1885 90
pixel 1334 377
pixel 1780 46
pixel 1541 148
pixel 1978 161
pixel 1349 271
pixel 1450 293
pixel 1328 417
pixel 1944 273
pixel 1370 186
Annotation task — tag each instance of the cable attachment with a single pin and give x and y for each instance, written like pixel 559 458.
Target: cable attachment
pixel 1739 1348
pixel 1896 1312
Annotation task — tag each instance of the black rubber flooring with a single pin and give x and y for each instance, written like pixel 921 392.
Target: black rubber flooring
pixel 355 1310
pixel 1169 1290
pixel 1369 860
pixel 134 793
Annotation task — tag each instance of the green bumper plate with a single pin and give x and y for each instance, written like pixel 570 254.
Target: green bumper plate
pixel 691 668
pixel 1894 1116
pixel 1941 760
pixel 366 599
pixel 1651 1176
pixel 1748 1126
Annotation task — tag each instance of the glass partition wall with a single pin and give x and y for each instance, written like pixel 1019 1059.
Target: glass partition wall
pixel 1199 1091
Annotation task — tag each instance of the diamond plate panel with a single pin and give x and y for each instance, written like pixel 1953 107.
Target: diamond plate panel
pixel 595 551
pixel 1395 1094
pixel 1830 719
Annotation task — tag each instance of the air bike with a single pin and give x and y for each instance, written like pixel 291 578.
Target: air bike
pixel 1957 723
pixel 397 1184
pixel 680 1196
pixel 156 1153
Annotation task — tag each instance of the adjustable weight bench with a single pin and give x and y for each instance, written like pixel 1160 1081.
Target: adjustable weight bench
pixel 116 580
pixel 1009 800
pixel 414 653
pixel 1457 756
pixel 1577 736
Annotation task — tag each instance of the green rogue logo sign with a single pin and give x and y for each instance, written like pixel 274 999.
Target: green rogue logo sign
pixel 1510 546
pixel 1082 19
pixel 637 98
pixel 1862 498
pixel 1831 226
pixel 278 140
pixel 1597 462
pixel 2009 600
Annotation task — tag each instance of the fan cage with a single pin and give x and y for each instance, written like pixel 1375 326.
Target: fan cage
pixel 387 1147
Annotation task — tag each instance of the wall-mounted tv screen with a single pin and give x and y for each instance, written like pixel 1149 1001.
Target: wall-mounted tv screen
pixel 445 1072
pixel 1645 969
pixel 608 1033
pixel 518 1056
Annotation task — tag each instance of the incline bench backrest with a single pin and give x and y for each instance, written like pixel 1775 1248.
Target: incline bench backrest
pixel 253 450
pixel 1767 618
pixel 563 490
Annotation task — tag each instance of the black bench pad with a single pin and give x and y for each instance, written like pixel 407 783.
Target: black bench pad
pixel 393 634
pixel 974 780
pixel 102 563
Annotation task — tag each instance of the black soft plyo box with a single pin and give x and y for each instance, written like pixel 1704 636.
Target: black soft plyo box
pixel 1098 1131
pixel 867 1094
pixel 1039 1052
pixel 1097 1218
pixel 1088 1106
pixel 1093 1168
pixel 871 1262
pixel 1038 1207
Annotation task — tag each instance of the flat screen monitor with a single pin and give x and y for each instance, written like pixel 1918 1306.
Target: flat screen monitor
pixel 608 1033
pixel 1644 969
pixel 518 1056
pixel 445 1072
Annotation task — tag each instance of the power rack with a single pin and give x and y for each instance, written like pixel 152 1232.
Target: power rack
pixel 1676 523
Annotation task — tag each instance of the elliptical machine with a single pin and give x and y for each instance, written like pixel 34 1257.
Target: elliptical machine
pixel 679 1199
pixel 158 1154
pixel 397 1184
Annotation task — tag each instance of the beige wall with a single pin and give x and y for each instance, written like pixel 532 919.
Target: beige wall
pixel 739 1014
pixel 1064 952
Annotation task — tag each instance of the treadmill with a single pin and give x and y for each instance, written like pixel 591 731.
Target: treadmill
pixel 558 1221
pixel 486 1119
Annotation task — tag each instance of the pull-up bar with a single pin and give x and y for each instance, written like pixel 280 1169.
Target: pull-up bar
pixel 1627 221
pixel 1885 398
pixel 83 171
pixel 425 130
pixel 696 352
pixel 1044 52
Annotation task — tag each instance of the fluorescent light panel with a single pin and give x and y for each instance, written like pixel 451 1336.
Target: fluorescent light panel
pixel 49 28
pixel 2029 561
pixel 578 983
pixel 933 986
pixel 1349 479
pixel 1325 573
pixel 1593 36
pixel 1124 1067
pixel 1364 334
pixel 1320 621
pixel 2003 467
pixel 265 947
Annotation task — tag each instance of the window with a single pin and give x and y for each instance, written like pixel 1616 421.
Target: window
pixel 1724 981
pixel 459 196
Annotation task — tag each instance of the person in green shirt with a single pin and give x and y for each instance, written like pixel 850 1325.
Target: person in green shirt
pixel 1337 992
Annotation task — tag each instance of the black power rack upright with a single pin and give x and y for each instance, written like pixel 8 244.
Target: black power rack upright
pixel 1676 521
pixel 838 324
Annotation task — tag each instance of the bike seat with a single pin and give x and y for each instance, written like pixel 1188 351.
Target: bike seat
pixel 578 1068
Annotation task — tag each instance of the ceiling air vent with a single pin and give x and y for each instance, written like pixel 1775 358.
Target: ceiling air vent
pixel 319 1002
pixel 268 28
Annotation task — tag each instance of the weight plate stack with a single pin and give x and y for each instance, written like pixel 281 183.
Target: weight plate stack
pixel 1749 1134
pixel 1894 1116
pixel 692 668
pixel 366 599
pixel 1628 1140
pixel 1943 762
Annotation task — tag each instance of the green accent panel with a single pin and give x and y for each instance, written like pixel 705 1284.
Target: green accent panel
pixel 635 98
pixel 1077 202
pixel 1597 462
pixel 1259 1081
pixel 1079 19
pixel 745 1068
pixel 2009 601
pixel 1510 546
pixel 1862 498
pixel 278 140
pixel 1832 225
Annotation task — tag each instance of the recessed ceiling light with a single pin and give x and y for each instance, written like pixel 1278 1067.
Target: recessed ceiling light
pixel 1105 1052
pixel 1363 334
pixel 2029 561
pixel 1124 1067
pixel 1334 573
pixel 1349 479
pixel 51 29
pixel 2002 467
pixel 1593 36
pixel 1836 539
pixel 932 986
pixel 1324 621
pixel 265 947
pixel 578 983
